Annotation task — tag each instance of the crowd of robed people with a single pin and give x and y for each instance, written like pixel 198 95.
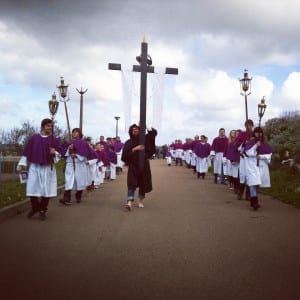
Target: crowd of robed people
pixel 86 166
pixel 240 160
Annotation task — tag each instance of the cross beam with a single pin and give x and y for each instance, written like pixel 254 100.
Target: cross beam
pixel 144 67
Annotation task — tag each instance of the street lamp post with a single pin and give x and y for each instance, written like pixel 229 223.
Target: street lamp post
pixel 63 97
pixel 261 108
pixel 81 92
pixel 117 120
pixel 246 89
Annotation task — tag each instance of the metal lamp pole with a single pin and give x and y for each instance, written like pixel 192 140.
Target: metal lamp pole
pixel 81 92
pixel 246 89
pixel 117 120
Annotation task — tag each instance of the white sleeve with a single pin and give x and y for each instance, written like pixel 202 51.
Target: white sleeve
pixel 56 157
pixel 265 157
pixel 23 161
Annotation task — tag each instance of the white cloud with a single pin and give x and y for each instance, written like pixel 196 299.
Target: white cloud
pixel 290 92
pixel 209 42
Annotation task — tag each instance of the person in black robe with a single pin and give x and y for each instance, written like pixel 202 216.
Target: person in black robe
pixel 138 177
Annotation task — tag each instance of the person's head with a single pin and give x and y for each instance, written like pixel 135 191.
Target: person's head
pixel 258 133
pixel 47 126
pixel 221 132
pixel 203 138
pixel 101 138
pixel 76 133
pixel 134 130
pixel 249 125
pixel 196 137
pixel 232 134
pixel 237 132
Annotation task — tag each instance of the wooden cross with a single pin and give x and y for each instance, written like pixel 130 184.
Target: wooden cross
pixel 144 67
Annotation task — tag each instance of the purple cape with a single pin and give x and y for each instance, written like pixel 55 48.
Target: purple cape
pixel 202 150
pixel 37 149
pixel 219 144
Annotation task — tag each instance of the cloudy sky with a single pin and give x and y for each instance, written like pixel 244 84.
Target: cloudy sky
pixel 210 42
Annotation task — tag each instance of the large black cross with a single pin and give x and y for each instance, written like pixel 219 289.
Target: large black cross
pixel 144 67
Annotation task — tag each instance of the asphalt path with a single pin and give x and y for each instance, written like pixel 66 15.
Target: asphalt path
pixel 193 240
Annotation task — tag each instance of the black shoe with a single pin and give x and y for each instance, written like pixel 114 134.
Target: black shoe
pixel 31 213
pixel 62 201
pixel 42 215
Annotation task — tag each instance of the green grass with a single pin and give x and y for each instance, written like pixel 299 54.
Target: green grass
pixel 13 191
pixel 285 183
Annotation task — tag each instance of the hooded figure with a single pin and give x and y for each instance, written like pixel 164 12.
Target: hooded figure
pixel 137 177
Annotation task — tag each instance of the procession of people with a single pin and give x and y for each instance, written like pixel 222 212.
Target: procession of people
pixel 86 166
pixel 239 161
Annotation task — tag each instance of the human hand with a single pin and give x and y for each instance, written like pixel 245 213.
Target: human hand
pixel 138 148
pixel 19 168
pixel 52 151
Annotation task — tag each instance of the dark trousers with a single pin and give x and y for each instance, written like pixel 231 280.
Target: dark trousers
pixel 39 204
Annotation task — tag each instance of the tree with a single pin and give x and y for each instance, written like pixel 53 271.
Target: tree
pixel 284 134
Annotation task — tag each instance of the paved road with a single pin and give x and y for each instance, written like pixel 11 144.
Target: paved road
pixel 193 240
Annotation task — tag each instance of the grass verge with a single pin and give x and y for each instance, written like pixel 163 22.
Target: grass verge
pixel 13 191
pixel 285 185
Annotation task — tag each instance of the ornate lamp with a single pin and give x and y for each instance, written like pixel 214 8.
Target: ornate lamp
pixel 53 106
pixel 261 108
pixel 246 89
pixel 63 90
pixel 63 97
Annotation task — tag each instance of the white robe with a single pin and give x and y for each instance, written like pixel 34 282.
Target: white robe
pixel 188 156
pixel 201 164
pixel 235 169
pixel 264 161
pixel 120 163
pixel 113 171
pixel 218 161
pixel 76 178
pixel 242 166
pixel 168 160
pixel 252 170
pixel 91 174
pixel 99 177
pixel 42 180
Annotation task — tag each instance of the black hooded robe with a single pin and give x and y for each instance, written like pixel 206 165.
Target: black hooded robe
pixel 136 177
